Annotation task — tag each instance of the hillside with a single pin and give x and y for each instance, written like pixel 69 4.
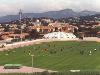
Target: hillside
pixel 52 14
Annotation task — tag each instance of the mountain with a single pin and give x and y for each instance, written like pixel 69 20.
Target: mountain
pixel 61 13
pixel 52 14
pixel 86 12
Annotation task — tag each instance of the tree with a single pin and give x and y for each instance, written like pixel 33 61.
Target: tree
pixel 34 34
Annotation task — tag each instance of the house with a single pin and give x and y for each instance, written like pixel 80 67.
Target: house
pixel 63 27
pixel 18 36
pixel 43 29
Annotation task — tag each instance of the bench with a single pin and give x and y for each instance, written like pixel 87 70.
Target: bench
pixel 12 66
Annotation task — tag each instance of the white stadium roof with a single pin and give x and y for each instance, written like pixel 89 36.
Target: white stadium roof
pixel 59 35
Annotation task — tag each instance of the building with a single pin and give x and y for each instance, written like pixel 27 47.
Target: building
pixel 59 35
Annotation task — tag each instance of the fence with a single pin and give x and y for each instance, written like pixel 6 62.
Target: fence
pixel 58 73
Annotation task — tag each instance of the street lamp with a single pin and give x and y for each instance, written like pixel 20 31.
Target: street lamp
pixel 32 62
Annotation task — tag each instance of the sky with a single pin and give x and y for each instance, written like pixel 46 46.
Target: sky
pixel 11 7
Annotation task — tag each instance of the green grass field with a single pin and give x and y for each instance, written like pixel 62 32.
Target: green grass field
pixel 59 56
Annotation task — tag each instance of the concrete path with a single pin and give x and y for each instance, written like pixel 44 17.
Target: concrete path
pixel 24 69
pixel 38 41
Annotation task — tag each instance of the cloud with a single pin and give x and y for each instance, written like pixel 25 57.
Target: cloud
pixel 13 6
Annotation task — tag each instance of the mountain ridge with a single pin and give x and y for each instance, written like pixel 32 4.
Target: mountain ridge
pixel 52 14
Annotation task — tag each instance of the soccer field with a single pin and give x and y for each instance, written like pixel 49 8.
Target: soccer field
pixel 59 56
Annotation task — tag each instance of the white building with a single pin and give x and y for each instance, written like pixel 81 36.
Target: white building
pixel 59 35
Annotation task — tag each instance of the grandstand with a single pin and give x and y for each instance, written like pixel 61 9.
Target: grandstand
pixel 59 35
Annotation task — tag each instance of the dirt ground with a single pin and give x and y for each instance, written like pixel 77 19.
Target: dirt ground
pixel 24 69
pixel 38 41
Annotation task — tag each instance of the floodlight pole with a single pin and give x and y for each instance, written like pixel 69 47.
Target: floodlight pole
pixel 32 62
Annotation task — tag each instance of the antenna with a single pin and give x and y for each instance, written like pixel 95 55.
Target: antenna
pixel 20 15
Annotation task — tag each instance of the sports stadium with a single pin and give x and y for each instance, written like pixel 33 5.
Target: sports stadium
pixel 57 53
